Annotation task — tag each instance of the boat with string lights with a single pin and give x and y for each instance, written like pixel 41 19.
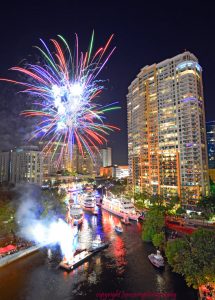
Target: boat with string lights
pixel 89 202
pixel 81 256
pixel 76 214
pixel 120 207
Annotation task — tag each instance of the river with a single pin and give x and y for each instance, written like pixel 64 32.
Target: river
pixel 123 268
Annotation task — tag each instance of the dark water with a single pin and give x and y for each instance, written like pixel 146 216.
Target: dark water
pixel 122 268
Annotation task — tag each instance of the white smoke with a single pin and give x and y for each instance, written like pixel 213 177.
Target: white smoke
pixel 43 231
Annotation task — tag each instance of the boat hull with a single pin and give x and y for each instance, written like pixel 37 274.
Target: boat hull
pixel 154 262
pixel 103 246
pixel 88 208
pixel 118 231
pixel 119 214
pixel 70 267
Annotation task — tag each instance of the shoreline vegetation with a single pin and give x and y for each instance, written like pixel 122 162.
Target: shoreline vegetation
pixel 190 255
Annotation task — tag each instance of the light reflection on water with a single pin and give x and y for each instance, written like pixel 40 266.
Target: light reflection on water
pixel 123 266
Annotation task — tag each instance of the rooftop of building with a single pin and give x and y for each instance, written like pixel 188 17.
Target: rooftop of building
pixel 163 63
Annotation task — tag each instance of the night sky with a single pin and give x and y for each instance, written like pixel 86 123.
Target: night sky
pixel 146 32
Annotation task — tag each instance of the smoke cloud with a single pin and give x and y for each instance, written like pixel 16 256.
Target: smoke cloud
pixel 43 231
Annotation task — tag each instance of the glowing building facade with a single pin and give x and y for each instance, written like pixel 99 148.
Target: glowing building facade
pixel 106 154
pixel 80 163
pixel 210 126
pixel 54 160
pixel 167 147
pixel 26 165
pixel 4 166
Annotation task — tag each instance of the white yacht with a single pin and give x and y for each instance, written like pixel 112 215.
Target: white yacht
pixel 76 214
pixel 121 207
pixel 156 259
pixel 89 202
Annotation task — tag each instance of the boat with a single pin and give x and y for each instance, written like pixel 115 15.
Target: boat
pixel 77 260
pixel 141 217
pixel 156 259
pixel 97 244
pixel 95 212
pixel 76 214
pixel 81 256
pixel 118 228
pixel 125 221
pixel 98 199
pixel 120 207
pixel 89 202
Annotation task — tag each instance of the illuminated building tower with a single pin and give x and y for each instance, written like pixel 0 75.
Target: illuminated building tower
pixel 53 161
pixel 4 166
pixel 26 165
pixel 167 148
pixel 106 154
pixel 210 127
pixel 88 165
pixel 73 162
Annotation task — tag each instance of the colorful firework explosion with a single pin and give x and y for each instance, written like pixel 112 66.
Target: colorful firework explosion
pixel 65 87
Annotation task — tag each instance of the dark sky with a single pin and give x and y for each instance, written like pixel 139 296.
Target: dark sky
pixel 145 32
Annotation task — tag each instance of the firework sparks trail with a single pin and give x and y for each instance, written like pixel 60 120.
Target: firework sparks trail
pixel 65 87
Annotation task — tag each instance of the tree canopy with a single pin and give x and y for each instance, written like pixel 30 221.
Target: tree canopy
pixel 159 240
pixel 207 204
pixel 193 257
pixel 154 223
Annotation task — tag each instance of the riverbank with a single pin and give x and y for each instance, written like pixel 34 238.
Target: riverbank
pixel 22 253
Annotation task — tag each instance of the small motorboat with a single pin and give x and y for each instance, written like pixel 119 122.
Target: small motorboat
pixel 156 259
pixel 95 211
pixel 141 217
pixel 118 229
pixel 97 244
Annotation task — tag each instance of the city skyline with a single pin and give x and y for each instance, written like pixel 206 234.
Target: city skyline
pixel 107 150
pixel 170 35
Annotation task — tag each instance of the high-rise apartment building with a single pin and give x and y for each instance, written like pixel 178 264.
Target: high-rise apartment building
pixel 106 154
pixel 210 128
pixel 26 165
pixel 21 165
pixel 167 147
pixel 81 163
pixel 87 164
pixel 53 159
pixel 4 166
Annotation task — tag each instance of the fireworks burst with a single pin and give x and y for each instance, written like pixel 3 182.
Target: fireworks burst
pixel 65 87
